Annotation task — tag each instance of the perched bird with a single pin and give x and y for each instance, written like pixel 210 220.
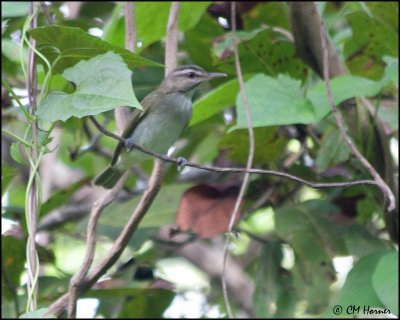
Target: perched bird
pixel 166 113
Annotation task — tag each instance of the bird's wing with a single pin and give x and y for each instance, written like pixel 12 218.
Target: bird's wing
pixel 135 117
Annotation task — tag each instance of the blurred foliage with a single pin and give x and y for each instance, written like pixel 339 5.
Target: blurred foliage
pixel 298 233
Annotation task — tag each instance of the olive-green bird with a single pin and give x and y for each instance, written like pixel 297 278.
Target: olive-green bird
pixel 166 113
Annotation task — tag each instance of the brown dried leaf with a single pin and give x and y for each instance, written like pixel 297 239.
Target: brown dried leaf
pixel 206 209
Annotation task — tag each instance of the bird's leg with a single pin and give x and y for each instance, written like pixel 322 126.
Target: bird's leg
pixel 129 143
pixel 182 162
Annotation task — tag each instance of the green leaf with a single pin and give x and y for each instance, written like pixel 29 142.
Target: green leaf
pixel 103 83
pixel 60 197
pixel 162 212
pixel 274 14
pixel 198 39
pixel 152 18
pixel 137 302
pixel 308 228
pixel 343 88
pixel 7 174
pixel 388 14
pixel 13 261
pixel 147 304
pixel 358 289
pixel 215 101
pixel 333 150
pixel 389 114
pixel 312 282
pixel 360 242
pixel 274 101
pixel 385 281
pixel 16 154
pixel 392 69
pixel 72 45
pixel 371 40
pixel 237 144
pixel 274 295
pixel 262 50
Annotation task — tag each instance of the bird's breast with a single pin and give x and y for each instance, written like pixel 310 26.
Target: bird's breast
pixel 163 125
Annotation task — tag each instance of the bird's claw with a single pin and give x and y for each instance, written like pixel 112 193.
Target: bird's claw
pixel 129 143
pixel 182 162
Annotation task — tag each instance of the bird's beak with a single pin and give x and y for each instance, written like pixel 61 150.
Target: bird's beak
pixel 212 75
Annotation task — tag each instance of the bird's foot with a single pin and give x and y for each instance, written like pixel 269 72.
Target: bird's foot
pixel 182 162
pixel 129 143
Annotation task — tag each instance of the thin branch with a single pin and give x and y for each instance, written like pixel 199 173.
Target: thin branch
pixel 171 46
pixel 390 203
pixel 130 30
pixel 250 157
pixel 97 209
pixel 316 185
pixel 122 113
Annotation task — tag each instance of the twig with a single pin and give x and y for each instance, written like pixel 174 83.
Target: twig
pixel 316 185
pixel 171 46
pixel 97 209
pixel 250 157
pixel 122 113
pixel 130 30
pixel 390 203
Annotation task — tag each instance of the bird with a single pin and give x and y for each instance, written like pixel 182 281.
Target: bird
pixel 166 113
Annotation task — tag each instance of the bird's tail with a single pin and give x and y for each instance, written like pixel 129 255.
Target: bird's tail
pixel 109 177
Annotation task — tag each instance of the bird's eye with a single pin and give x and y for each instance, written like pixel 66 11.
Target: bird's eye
pixel 191 74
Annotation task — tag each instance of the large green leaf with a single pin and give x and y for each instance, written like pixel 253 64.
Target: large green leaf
pixel 213 102
pixel 274 14
pixel 360 242
pixel 358 289
pixel 371 40
pixel 280 101
pixel 152 18
pixel 312 281
pixel 333 150
pixel 385 281
pixel 308 228
pixel 274 295
pixel 102 83
pixel 162 212
pixel 137 302
pixel 198 39
pixel 71 45
pixel 261 50
pixel 392 69
pixel 60 197
pixel 13 260
pixel 343 88
pixel 274 101
pixel 7 174
pixel 269 145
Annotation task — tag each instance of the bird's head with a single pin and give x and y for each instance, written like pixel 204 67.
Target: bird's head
pixel 186 78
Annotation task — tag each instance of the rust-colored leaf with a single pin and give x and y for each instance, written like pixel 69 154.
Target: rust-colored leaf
pixel 206 209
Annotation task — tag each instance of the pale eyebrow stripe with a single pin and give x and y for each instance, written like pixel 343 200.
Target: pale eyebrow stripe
pixel 185 71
